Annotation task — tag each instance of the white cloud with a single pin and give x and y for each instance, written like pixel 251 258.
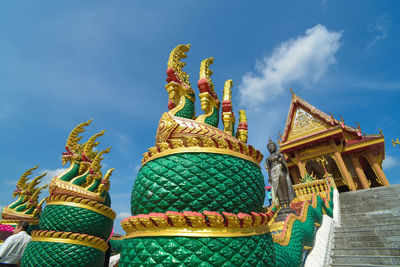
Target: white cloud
pixel 123 215
pixel 389 162
pixel 380 28
pixel 304 59
pixel 50 174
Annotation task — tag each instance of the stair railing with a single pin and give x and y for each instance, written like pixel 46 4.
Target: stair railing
pixel 305 190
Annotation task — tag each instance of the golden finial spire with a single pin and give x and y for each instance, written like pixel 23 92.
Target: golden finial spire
pixel 228 90
pixel 206 72
pixel 175 65
pixel 209 100
pixel 228 118
pixel 242 131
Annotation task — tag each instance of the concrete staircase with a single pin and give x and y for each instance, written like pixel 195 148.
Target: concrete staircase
pixel 370 231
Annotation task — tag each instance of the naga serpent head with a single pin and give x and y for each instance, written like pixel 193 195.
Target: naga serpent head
pixel 178 86
pixel 174 94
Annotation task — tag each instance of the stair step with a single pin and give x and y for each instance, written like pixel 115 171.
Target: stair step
pixel 372 207
pixel 371 232
pixel 371 212
pixel 379 251
pixel 386 199
pixel 374 217
pixel 365 259
pixel 366 227
pixel 384 218
pixel 369 194
pixel 394 209
pixel 359 201
pixel 369 238
pixel 364 244
pixel 359 265
pixel 374 189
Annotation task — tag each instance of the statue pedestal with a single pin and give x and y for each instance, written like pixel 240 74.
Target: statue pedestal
pixel 283 213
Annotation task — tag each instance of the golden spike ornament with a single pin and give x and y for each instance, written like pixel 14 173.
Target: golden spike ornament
pixel 21 184
pixel 32 185
pixel 178 85
pixel 38 208
pixel 91 144
pixel 242 131
pixel 206 72
pixel 35 196
pixel 208 98
pixel 175 65
pixel 96 166
pixel 74 138
pixel 228 90
pixel 228 118
pixel 105 182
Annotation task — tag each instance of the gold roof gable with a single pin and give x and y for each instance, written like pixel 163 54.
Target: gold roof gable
pixel 310 121
pixel 305 124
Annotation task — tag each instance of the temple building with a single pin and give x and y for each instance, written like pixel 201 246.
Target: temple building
pixel 317 144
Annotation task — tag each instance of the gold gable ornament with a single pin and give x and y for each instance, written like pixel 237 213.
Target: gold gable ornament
pixel 304 122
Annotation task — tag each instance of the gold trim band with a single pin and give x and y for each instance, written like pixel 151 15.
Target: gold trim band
pixel 202 232
pixel 196 224
pixel 7 212
pixel 108 213
pixel 200 150
pixel 12 222
pixel 70 238
pixel 59 187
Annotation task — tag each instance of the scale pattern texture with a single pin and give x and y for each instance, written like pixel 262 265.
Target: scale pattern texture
pixel 213 120
pixel 204 251
pixel 42 254
pixel 187 111
pixel 198 182
pixel 74 219
pixel 117 244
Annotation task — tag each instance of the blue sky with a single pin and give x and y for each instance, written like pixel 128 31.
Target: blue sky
pixel 64 62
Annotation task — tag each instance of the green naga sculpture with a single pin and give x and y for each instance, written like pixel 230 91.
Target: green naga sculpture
pixel 77 220
pixel 197 199
pixel 181 95
pixel 208 98
pixel 26 207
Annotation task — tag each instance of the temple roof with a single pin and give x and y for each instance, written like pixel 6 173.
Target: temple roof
pixel 307 124
pixel 308 118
